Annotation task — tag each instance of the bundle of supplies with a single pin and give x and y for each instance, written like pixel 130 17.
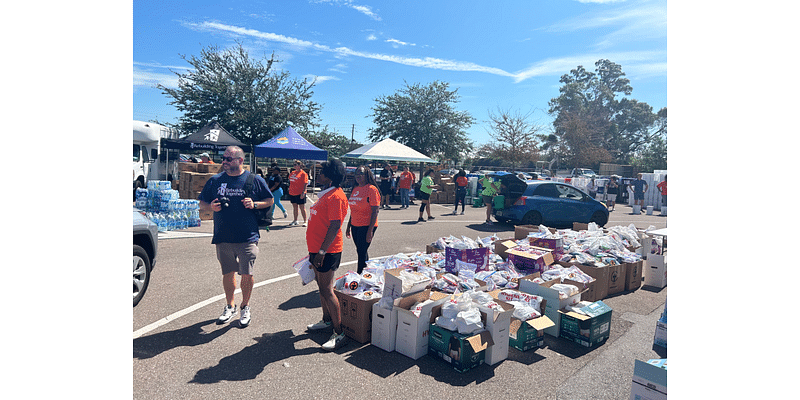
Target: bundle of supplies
pixel 526 306
pixel 364 286
pixel 449 283
pixel 460 314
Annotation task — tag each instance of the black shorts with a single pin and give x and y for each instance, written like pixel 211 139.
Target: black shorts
pixel 329 263
pixel 420 195
pixel 386 189
pixel 297 199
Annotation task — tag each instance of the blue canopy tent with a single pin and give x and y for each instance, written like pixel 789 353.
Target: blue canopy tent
pixel 289 144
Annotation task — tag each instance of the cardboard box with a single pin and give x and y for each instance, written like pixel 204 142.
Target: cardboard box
pixel 462 352
pixel 497 324
pixel 649 382
pixel 616 278
pixel 655 271
pixel 552 244
pixel 527 335
pixel 521 231
pixel 528 262
pixel 587 330
pixel 412 331
pixel 384 327
pixel 356 316
pixel 660 338
pixel 479 256
pixel 554 303
pixel 501 246
pixel 633 275
pixel 393 285
pixel 598 290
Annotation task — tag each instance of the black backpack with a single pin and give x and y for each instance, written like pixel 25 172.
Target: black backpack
pixel 263 216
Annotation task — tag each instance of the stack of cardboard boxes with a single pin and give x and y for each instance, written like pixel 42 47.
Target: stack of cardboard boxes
pixel 192 178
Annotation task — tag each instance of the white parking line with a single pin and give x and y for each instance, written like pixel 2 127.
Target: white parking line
pixel 163 321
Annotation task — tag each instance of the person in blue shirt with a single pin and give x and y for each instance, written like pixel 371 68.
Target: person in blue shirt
pixel 235 226
pixel 639 189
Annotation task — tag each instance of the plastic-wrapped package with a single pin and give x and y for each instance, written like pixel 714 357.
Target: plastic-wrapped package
pixel 565 290
pixel 469 321
pixel 574 273
pixel 524 311
pixel 576 307
pixel 529 299
pixel 446 323
pixel 411 279
pixel 369 295
pixel 416 309
pixel 553 273
pixel 465 266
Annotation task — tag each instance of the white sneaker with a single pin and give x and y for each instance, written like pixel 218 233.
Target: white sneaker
pixel 294 223
pixel 462 213
pixel 305 224
pixel 244 318
pixel 285 215
pixel 319 325
pixel 336 341
pixel 227 314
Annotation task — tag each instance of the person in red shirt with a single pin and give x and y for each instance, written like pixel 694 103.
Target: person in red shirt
pixel 324 242
pixel 663 187
pixel 407 178
pixel 365 201
pixel 461 190
pixel 298 180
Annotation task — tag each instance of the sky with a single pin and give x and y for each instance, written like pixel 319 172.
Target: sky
pixel 505 55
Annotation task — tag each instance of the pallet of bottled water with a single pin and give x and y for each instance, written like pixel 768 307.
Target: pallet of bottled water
pixel 163 206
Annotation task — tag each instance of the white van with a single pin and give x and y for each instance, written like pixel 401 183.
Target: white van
pixel 147 163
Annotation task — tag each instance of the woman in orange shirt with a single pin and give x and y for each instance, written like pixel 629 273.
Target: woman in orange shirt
pixel 298 180
pixel 324 243
pixel 365 200
pixel 461 190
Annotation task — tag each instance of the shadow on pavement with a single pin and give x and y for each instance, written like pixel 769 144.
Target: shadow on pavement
pixel 193 335
pixel 307 300
pixel 251 361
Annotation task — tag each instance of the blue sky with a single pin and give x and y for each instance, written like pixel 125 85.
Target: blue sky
pixel 505 55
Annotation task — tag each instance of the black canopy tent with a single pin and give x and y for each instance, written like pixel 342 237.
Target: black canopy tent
pixel 212 137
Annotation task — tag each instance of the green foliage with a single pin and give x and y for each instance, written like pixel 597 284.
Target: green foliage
pixel 594 123
pixel 249 99
pixel 423 118
pixel 515 137
pixel 336 144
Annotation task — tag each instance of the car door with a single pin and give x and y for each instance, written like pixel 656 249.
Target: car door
pixel 573 205
pixel 547 201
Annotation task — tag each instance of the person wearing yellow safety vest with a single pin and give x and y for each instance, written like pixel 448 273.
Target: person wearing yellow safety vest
pixel 490 189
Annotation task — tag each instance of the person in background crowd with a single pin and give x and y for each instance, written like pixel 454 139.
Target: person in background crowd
pixel 235 227
pixel 490 189
pixel 663 188
pixel 324 242
pixel 386 185
pixel 404 184
pixel 591 187
pixel 365 200
pixel 298 181
pixel 461 190
pixel 612 188
pixel 426 187
pixel 275 181
pixel 639 189
pixel 205 159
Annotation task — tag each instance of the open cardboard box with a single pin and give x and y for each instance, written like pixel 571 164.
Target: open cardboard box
pixel 524 335
pixel 528 262
pixel 587 330
pixel 596 290
pixel 554 303
pixel 356 316
pixel 411 339
pixel 393 285
pixel 462 352
pixel 497 323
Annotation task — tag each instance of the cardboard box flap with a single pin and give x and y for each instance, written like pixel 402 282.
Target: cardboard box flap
pixel 595 309
pixel 410 299
pixel 508 309
pixel 540 323
pixel 480 341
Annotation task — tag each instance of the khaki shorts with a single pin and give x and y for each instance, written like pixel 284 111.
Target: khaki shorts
pixel 237 257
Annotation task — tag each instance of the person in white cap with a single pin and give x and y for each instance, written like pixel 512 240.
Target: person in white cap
pixel 206 159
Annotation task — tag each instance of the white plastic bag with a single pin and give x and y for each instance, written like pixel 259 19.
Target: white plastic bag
pixel 469 321
pixel 564 290
pixel 303 268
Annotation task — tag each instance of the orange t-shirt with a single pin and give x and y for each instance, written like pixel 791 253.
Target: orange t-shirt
pixel 462 181
pixel 406 179
pixel 362 199
pixel 297 182
pixel 331 206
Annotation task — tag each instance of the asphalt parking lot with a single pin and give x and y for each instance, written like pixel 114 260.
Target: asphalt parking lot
pixel 179 351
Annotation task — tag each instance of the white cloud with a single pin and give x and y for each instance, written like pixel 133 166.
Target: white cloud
pixel 320 79
pixel 146 78
pixel 637 21
pixel 366 10
pixel 397 43
pixel 372 37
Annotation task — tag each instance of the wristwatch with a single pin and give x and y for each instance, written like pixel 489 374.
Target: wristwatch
pixel 321 252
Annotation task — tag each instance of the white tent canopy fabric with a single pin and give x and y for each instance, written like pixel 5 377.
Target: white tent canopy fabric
pixel 388 150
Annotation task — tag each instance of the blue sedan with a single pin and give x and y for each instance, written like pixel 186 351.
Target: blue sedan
pixel 546 202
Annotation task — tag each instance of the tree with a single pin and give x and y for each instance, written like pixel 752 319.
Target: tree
pixel 592 125
pixel 336 144
pixel 245 96
pixel 423 118
pixel 515 137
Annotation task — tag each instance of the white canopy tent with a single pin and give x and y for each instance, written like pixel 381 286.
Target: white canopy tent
pixel 388 150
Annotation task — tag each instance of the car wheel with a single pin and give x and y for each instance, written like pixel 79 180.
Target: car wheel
pixel 141 273
pixel 532 218
pixel 599 218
